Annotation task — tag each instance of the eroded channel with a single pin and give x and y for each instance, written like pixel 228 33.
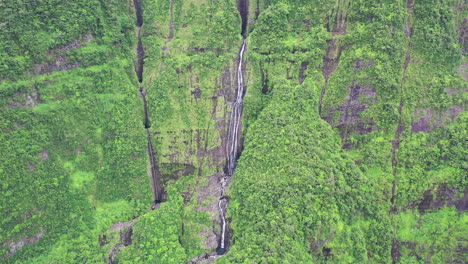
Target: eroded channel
pixel 234 131
pixel 158 191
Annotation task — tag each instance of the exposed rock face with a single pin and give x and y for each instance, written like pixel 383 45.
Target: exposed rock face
pixel 332 57
pixel 362 64
pixel 124 241
pixel 207 258
pixel 334 48
pixel 122 225
pixel 451 91
pixel 61 61
pixel 443 196
pixel 27 99
pixel 243 7
pixel 19 244
pixel 44 155
pixel 201 150
pixel 463 36
pixel 350 121
pixel 430 119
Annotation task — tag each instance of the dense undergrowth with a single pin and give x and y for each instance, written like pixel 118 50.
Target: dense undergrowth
pixel 354 125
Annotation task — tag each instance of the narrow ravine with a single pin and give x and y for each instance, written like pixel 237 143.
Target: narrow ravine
pixel 233 134
pixel 395 252
pixel 236 115
pixel 334 47
pixel 232 149
pixel 139 68
pixel 400 127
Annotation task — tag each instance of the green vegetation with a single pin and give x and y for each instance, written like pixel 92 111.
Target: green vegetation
pixel 286 206
pixel 354 131
pixel 73 159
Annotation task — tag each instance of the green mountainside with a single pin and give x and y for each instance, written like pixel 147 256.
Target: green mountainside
pixel 114 118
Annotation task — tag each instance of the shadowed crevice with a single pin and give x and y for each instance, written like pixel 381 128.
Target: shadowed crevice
pixel 156 176
pixel 243 7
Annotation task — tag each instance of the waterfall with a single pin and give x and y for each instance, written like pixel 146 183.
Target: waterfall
pixel 236 114
pixel 232 146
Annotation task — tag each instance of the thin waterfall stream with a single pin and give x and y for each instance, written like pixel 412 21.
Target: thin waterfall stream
pixel 232 145
pixel 236 114
pixel 233 133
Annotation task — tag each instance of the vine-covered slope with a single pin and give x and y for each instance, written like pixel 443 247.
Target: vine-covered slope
pixel 354 131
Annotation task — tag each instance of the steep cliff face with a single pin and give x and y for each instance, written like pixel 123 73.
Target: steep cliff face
pixel 70 165
pixel 190 82
pixel 110 148
pixel 115 116
pixel 385 94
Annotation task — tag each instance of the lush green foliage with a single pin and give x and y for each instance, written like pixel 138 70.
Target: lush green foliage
pixel 295 192
pixel 73 156
pixel 346 184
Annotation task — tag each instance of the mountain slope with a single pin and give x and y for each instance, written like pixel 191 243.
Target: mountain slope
pixel 115 114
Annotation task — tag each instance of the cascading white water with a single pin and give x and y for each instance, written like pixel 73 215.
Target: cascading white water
pixel 221 212
pixel 236 114
pixel 232 143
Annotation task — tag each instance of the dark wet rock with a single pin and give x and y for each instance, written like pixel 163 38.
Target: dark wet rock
pixel 408 29
pixel 462 70
pixel 208 196
pixel 362 64
pixel 228 81
pixel 332 57
pixel 443 196
pixel 14 246
pixel 174 171
pixel 140 62
pixel 122 225
pixel 302 71
pixel 206 258
pixel 44 155
pixel 265 79
pixel 197 93
pixel 61 61
pixel 126 237
pixel 31 167
pixel 210 240
pixel 462 203
pixel 197 49
pixel 333 54
pixel 171 21
pixel 307 23
pixel 428 119
pixel 463 36
pixel 326 252
pixel 451 91
pixel 350 121
pixel 395 252
pixel 139 12
pixel 407 57
pixel 208 202
pixel 409 4
pixel 76 44
pixel 25 99
pixel 124 241
pixel 103 240
pixel 243 7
